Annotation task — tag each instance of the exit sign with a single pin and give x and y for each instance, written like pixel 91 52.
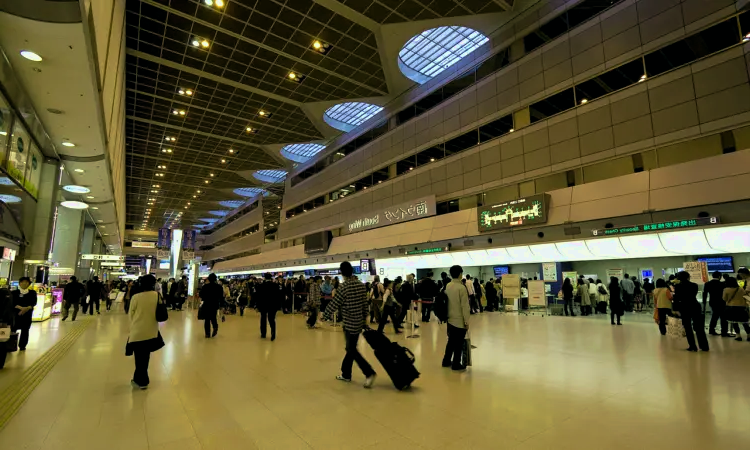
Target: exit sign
pixel 426 250
pixel 657 226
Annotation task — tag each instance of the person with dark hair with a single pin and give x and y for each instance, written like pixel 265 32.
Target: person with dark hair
pixel 686 302
pixel 182 293
pixel 458 320
pixel 351 297
pixel 172 287
pixel 314 301
pixel 388 308
pixel 95 290
pixel 428 290
pixel 648 289
pixel 469 284
pixel 211 296
pixel 616 305
pixel 72 293
pixel 269 299
pixel 736 308
pixel 713 291
pixel 24 301
pixel 405 296
pixel 583 293
pixel 144 337
pixel 638 296
pixel 567 292
pixel 627 290
pixel 663 304
pixel 491 293
pixel 7 317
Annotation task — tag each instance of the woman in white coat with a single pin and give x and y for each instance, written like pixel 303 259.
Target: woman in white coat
pixel 144 336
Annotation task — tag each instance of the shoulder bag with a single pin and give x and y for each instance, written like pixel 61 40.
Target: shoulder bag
pixel 162 315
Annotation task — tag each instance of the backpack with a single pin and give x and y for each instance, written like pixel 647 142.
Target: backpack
pixel 602 290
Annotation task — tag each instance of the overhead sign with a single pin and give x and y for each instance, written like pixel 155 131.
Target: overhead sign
pixel 113 264
pixel 137 244
pixel 88 257
pixel 427 250
pixel 61 271
pixel 404 212
pixel 188 255
pixel 164 239
pixel 514 213
pixel 367 266
pixel 657 226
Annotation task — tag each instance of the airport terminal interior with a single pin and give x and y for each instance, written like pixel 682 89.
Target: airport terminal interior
pixel 209 207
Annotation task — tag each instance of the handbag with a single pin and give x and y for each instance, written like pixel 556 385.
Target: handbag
pixel 675 328
pixel 4 334
pixel 162 315
pixel 466 353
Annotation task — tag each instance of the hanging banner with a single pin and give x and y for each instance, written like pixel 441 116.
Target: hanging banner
pixel 164 243
pixel 188 240
pixel 549 271
pixel 572 275
pixel 187 255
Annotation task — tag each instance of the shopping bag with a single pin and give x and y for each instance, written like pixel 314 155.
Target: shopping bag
pixel 4 334
pixel 466 353
pixel 675 328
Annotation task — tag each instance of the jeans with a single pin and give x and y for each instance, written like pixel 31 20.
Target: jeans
pixel 717 309
pixel 693 319
pixel 454 347
pixel 140 376
pixel 211 320
pixel 91 305
pixel 66 310
pixel 388 311
pixel 663 314
pixel 269 316
pixel 108 303
pixel 352 355
pixel 568 304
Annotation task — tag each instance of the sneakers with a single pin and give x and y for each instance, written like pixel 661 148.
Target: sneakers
pixel 370 380
pixel 341 378
pixel 136 385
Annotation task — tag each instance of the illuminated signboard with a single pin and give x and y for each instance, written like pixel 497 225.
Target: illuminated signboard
pixel 136 244
pixel 427 250
pixel 657 226
pixel 514 213
pixel 404 212
pixel 89 257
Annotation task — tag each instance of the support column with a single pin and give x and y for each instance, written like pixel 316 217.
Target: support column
pixel 67 242
pixel 84 271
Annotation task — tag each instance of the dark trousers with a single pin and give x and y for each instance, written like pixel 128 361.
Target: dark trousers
pixel 473 303
pixel 91 305
pixel 352 355
pixel 66 310
pixel 388 311
pixel 3 355
pixel 693 319
pixel 628 300
pixel 404 310
pixel 454 347
pixel 126 305
pixel 269 316
pixel 108 303
pixel 568 304
pixel 612 317
pixel 211 320
pixel 242 310
pixel 717 309
pixel 426 309
pixel 663 314
pixel 313 319
pixel 23 337
pixel 140 376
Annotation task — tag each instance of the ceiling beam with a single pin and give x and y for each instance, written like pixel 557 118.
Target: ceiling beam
pixel 345 11
pixel 249 121
pixel 258 44
pixel 185 163
pixel 507 6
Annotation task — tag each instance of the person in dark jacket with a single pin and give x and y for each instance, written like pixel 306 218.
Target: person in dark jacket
pixel 616 304
pixel 72 293
pixel 405 296
pixel 269 296
pixel 686 303
pixel 24 301
pixel 491 293
pixel 211 296
pixel 7 318
pixel 428 290
pixel 713 291
pixel 94 289
pixel 181 293
pixel 567 291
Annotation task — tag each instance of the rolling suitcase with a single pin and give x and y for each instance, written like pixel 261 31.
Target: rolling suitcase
pixel 397 361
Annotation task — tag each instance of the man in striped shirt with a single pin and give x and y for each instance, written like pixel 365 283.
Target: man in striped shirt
pixel 351 298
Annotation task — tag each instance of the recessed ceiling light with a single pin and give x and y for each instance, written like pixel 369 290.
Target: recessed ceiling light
pixel 584 101
pixel 199 191
pixel 31 56
pixel 74 205
pixel 78 170
pixel 251 130
pixel 100 220
pixel 320 47
pixel 204 43
pixel 196 43
pixel 296 77
pixel 94 207
pixel 89 196
pixel 181 92
pixel 264 113
pixel 210 174
pixel 206 181
pixel 223 160
pixel 231 150
pixel 68 144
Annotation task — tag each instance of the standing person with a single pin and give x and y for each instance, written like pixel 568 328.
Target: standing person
pixel 478 293
pixel 616 305
pixel 567 292
pixel 94 289
pixel 376 299
pixel 428 290
pixel 628 290
pixel 405 296
pixel 72 293
pixel 472 295
pixel 686 302
pixel 144 336
pixel 129 292
pixel 182 292
pixel 325 291
pixel 663 303
pixel 648 290
pixel 7 317
pixel 211 295
pixel 24 301
pixel 602 297
pixel 583 292
pixel 714 292
pixel 491 293
pixel 313 302
pixel 638 296
pixel 592 295
pixel 458 319
pixel 736 307
pixel 171 292
pixel 108 288
pixel 388 308
pixel 300 288
pixel 351 298
pixel 244 300
pixel 269 297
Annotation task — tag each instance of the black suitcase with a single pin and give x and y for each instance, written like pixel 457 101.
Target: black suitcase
pixel 397 361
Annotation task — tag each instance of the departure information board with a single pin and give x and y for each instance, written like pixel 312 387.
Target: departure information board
pixel 513 213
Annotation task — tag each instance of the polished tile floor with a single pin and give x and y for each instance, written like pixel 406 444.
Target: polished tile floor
pixel 537 383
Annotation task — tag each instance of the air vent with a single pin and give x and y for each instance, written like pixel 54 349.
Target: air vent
pixel 572 231
pixel 468 243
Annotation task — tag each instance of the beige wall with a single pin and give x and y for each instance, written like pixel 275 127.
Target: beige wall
pixel 244 222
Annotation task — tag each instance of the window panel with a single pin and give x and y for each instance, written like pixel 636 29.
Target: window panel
pixel 496 128
pixel 429 155
pixel 562 101
pixel 461 143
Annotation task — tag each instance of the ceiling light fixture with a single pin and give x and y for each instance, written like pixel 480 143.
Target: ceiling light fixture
pixel 249 130
pixel 643 77
pixel 210 174
pixel 89 197
pixel 231 150
pixel 76 189
pixel 155 185
pixel 296 77
pixel 74 205
pixel 68 144
pixel 584 101
pixel 78 170
pixel 31 56
pixel 263 113
pixel 169 138
pixel 320 47
pixel 204 43
pixel 159 174
pixel 223 160
pixel 94 207
pixel 199 191
pixel 205 181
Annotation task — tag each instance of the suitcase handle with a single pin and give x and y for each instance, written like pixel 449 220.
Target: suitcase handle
pixel 409 354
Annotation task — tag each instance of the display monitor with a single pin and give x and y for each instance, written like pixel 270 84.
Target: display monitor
pixel 309 272
pixel 723 264
pixel 501 270
pixel 164 264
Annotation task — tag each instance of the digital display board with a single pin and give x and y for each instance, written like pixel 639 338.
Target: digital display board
pixel 657 226
pixel 501 270
pixel 514 213
pixel 723 264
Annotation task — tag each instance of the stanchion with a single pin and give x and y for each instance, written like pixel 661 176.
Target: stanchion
pixel 413 319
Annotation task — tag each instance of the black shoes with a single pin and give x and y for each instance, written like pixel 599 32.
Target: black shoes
pixel 273 338
pixel 691 349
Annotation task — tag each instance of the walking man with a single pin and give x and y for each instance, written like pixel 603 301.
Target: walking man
pixel 268 301
pixel 94 289
pixel 713 291
pixel 628 289
pixel 458 319
pixel 351 298
pixel 72 293
pixel 211 294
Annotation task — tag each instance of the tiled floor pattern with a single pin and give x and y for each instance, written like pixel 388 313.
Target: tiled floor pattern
pixel 537 383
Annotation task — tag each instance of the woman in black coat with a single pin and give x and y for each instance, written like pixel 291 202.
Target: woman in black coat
pixel 24 301
pixel 616 305
pixel 567 291
pixel 6 320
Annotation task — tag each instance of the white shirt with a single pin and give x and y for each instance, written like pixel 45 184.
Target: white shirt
pixel 470 286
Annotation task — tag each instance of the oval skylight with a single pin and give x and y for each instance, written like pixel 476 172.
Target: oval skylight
pixel 209 220
pixel 270 176
pixel 301 152
pixel 251 192
pixel 77 189
pixel 7 198
pixel 232 203
pixel 347 116
pixel 220 212
pixel 432 51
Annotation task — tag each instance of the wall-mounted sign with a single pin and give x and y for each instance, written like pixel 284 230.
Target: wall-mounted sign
pixel 549 271
pixel 61 271
pixel 137 244
pixel 427 250
pixel 367 266
pixel 112 264
pixel 88 257
pixel 415 209
pixel 657 226
pixel 514 213
pixel 36 261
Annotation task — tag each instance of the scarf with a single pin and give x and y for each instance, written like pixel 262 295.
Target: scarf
pixel 23 291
